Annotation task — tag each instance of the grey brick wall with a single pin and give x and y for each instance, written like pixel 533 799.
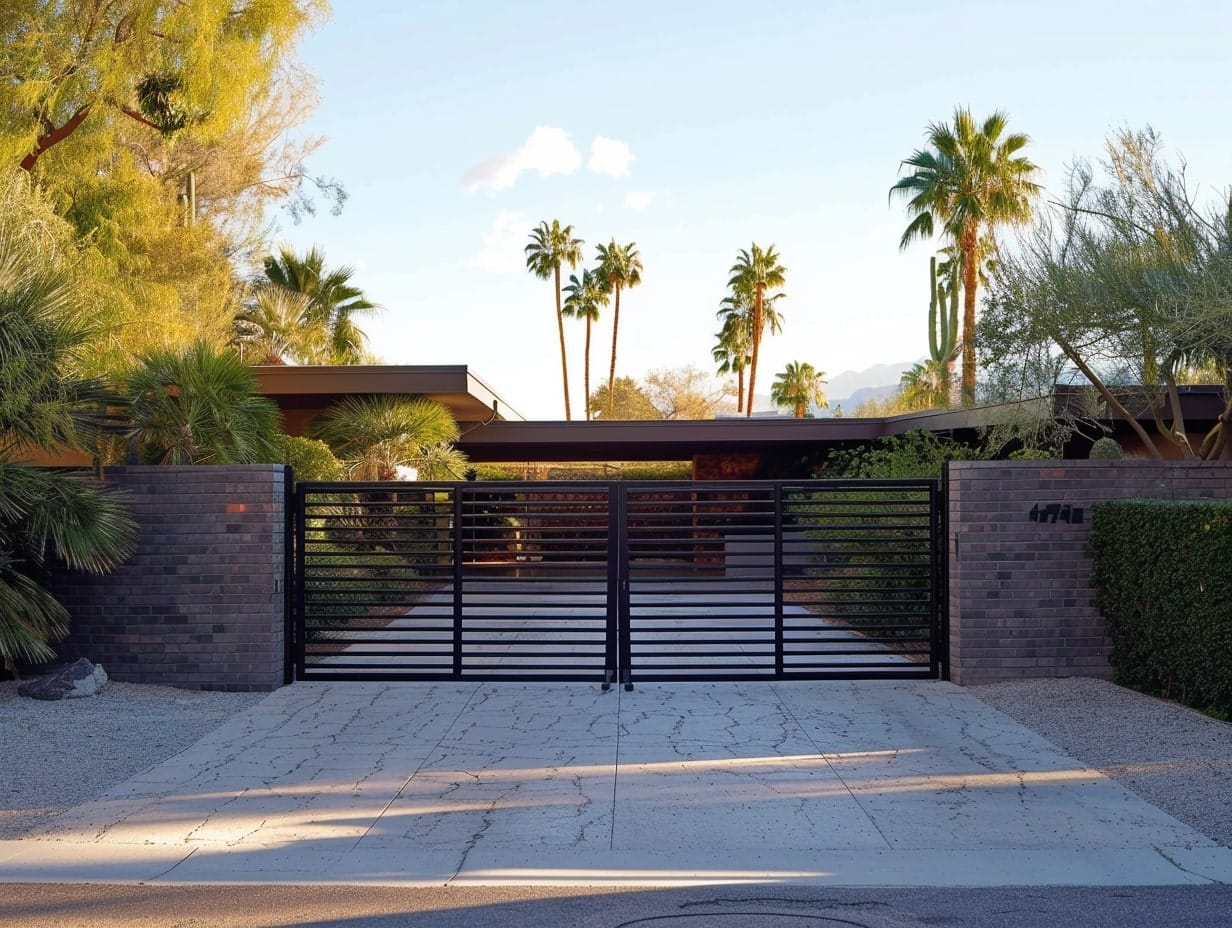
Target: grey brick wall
pixel 1020 598
pixel 201 605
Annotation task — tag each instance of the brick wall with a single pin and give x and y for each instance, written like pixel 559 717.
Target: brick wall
pixel 201 604
pixel 1021 603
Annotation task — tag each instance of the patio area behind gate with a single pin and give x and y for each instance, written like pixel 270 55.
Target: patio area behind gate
pixel 618 582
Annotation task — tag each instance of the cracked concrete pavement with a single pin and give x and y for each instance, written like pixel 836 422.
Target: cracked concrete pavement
pixel 811 784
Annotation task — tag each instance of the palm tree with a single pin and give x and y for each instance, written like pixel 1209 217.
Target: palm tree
pixel 926 385
pixel 967 180
pixel 620 266
pixel 334 301
pixel 755 272
pixel 549 248
pixel 201 406
pixel 278 326
pixel 731 352
pixel 375 435
pixel 47 517
pixel 441 461
pixel 734 340
pixel 583 302
pixel 798 386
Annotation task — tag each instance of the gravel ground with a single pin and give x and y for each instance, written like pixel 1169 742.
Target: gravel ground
pixel 58 754
pixel 1173 757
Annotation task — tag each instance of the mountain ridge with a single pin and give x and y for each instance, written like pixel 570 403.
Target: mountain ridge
pixel 853 387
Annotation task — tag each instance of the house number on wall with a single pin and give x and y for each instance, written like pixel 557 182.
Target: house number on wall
pixel 1055 512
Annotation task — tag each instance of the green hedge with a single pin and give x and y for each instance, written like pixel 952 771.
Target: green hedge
pixel 1162 573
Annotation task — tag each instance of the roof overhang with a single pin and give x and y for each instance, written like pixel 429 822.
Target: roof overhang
pixel 316 388
pixel 683 440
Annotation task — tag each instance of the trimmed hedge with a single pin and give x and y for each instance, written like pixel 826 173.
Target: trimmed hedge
pixel 1162 572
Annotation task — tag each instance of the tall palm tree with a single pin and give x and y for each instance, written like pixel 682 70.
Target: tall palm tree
pixel 968 180
pixel 47 517
pixel 731 352
pixel 756 272
pixel 620 267
pixel 335 302
pixel 734 341
pixel 375 435
pixel 797 386
pixel 583 302
pixel 549 248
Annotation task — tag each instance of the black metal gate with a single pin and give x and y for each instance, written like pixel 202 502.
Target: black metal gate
pixel 608 581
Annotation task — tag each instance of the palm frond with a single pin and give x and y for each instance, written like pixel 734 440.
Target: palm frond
pixel 201 406
pixel 30 616
pixel 375 435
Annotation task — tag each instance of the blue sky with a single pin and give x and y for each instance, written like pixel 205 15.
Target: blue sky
pixel 694 129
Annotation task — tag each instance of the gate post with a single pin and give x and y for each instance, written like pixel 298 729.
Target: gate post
pixel 778 579
pixel 296 621
pixel 611 645
pixel 940 499
pixel 457 578
pixel 292 514
pixel 620 545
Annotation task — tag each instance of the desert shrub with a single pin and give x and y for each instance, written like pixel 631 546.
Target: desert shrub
pixel 914 454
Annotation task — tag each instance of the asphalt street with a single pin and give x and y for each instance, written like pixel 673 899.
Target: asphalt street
pixel 133 906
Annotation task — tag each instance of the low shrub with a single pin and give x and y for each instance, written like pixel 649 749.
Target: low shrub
pixel 1162 572
pixel 914 454
pixel 310 459
pixel 1105 449
pixel 1033 454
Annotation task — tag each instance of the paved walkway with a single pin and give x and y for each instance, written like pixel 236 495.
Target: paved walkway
pixel 914 784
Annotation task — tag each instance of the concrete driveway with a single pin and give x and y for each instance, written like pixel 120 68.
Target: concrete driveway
pixel 877 783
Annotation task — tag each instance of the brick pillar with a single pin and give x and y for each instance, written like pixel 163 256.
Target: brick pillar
pixel 201 605
pixel 1020 597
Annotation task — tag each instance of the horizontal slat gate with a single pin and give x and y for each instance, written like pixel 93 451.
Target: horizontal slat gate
pixel 455 580
pixel 597 581
pixel 772 579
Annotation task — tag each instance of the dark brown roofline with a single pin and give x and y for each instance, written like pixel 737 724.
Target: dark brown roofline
pixel 682 440
pixel 494 432
pixel 469 398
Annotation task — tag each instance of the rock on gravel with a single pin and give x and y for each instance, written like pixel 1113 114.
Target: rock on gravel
pixel 1173 757
pixel 59 754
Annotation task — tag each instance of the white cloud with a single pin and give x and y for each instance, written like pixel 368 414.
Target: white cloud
pixel 610 157
pixel 503 243
pixel 546 151
pixel 639 200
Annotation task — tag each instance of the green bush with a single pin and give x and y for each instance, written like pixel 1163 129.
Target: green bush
pixel 496 472
pixel 1105 449
pixel 1033 454
pixel 915 454
pixel 657 470
pixel 310 459
pixel 1162 572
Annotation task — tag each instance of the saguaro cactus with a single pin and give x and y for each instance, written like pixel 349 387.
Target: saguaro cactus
pixel 943 338
pixel 942 322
